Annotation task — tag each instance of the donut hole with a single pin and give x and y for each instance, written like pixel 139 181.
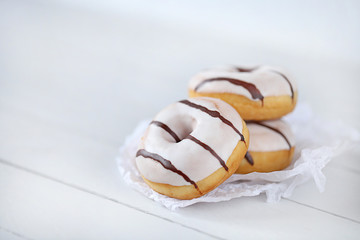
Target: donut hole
pixel 186 131
pixel 185 125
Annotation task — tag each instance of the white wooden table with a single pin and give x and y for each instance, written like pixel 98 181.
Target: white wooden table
pixel 75 82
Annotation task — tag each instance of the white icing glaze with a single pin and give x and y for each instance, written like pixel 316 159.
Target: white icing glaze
pixel 187 156
pixel 263 77
pixel 263 139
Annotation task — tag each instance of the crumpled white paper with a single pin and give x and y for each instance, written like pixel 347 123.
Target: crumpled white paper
pixel 317 141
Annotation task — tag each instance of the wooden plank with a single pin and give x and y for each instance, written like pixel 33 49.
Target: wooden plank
pixel 341 196
pixel 43 209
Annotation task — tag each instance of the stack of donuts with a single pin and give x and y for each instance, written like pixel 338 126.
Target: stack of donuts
pixel 230 124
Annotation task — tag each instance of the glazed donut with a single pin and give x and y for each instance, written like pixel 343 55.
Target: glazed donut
pixel 258 93
pixel 191 147
pixel 271 147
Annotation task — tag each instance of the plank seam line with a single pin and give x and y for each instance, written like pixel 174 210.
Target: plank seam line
pixel 324 211
pixel 39 174
pixel 15 233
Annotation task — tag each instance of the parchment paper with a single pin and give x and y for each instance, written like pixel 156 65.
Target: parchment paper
pixel 317 142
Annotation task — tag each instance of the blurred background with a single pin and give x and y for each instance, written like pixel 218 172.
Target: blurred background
pixel 99 67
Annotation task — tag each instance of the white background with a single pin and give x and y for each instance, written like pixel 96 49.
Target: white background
pixel 77 76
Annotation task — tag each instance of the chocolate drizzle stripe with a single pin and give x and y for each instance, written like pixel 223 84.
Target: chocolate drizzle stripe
pixel 165 163
pixel 166 128
pixel 241 69
pixel 194 139
pixel 208 148
pixel 249 158
pixel 274 129
pixel 291 87
pixel 251 88
pixel 214 114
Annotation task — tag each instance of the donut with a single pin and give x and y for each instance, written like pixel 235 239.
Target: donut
pixel 271 147
pixel 191 147
pixel 258 93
